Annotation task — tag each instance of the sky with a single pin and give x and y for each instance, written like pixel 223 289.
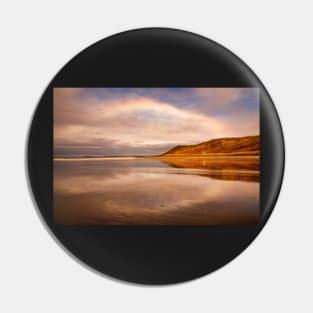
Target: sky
pixel 149 121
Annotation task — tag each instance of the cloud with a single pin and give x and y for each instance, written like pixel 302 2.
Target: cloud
pixel 87 122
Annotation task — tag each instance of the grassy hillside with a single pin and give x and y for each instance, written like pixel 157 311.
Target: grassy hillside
pixel 235 146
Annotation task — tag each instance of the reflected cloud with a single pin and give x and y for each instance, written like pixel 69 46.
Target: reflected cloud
pixel 148 192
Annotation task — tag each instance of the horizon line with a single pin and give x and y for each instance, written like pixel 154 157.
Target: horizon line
pixel 145 155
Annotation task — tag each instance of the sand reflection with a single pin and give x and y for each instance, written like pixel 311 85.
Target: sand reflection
pixel 155 192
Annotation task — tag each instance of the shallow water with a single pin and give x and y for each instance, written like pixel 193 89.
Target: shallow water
pixel 174 191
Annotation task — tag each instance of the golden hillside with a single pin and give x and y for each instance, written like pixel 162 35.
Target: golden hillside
pixel 235 146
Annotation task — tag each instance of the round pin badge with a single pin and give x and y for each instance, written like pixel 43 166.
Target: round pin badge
pixel 155 156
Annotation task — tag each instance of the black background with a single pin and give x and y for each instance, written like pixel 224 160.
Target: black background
pixel 154 58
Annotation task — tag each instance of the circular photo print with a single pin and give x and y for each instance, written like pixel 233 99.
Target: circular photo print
pixel 155 156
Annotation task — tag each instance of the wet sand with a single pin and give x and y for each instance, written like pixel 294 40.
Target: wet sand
pixel 167 191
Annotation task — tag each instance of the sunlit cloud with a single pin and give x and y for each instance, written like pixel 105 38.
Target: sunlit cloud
pixel 132 121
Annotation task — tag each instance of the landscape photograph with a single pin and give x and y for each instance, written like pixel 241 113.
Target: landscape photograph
pixel 156 156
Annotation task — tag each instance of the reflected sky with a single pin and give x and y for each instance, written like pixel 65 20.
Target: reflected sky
pixel 137 191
